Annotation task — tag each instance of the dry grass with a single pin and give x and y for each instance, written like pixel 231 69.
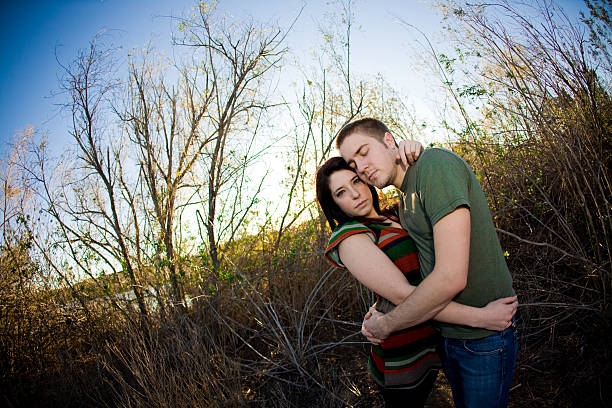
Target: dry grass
pixel 282 337
pixel 280 328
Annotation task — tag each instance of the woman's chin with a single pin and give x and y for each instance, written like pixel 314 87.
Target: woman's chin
pixel 363 213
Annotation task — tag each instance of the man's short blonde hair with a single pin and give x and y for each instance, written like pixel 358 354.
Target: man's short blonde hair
pixel 369 126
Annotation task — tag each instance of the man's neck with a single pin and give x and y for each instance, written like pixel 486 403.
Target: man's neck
pixel 399 176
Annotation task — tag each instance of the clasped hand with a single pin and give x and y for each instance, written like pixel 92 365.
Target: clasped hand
pixel 370 327
pixel 496 316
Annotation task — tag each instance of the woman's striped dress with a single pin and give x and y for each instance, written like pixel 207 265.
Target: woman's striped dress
pixel 404 359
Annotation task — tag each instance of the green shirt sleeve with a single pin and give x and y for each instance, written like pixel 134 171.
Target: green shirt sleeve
pixel 443 184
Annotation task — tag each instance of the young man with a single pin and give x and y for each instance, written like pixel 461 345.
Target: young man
pixel 444 209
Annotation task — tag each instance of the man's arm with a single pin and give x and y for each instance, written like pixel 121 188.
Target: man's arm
pixel 448 278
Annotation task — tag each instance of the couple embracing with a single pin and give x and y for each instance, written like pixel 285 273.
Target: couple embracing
pixel 445 296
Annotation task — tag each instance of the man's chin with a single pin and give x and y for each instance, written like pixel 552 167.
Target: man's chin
pixel 378 183
pixel 375 181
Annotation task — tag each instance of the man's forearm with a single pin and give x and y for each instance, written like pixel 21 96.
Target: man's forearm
pixel 427 300
pixel 448 278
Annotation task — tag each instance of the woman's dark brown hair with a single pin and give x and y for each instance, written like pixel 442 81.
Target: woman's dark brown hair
pixel 333 213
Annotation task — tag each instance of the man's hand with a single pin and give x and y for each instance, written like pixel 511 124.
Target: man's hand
pixel 373 327
pixel 497 315
pixel 409 151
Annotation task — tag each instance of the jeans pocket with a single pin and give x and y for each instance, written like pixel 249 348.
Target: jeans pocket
pixel 485 347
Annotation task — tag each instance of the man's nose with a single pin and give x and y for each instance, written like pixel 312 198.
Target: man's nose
pixel 360 165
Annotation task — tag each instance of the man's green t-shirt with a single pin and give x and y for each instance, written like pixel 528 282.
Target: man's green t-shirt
pixel 437 184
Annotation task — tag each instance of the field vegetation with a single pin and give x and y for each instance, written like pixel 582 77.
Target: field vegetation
pixel 144 268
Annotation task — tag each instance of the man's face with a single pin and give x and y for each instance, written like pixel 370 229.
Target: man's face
pixel 373 160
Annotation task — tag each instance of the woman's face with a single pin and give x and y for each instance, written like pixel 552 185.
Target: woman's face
pixel 351 194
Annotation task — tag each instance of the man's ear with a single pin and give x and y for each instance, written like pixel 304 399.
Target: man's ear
pixel 389 141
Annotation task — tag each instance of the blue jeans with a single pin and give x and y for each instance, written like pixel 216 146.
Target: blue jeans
pixel 480 371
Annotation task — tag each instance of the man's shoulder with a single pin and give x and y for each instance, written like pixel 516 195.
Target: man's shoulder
pixel 432 163
pixel 433 154
pixel 436 159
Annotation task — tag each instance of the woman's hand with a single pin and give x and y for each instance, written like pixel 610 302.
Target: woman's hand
pixel 365 332
pixel 409 151
pixel 374 328
pixel 497 315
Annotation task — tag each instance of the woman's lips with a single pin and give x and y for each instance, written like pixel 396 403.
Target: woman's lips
pixel 361 204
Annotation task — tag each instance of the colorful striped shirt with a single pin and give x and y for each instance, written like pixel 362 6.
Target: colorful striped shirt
pixel 405 357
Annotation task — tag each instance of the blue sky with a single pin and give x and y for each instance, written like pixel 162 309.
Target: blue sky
pixel 32 32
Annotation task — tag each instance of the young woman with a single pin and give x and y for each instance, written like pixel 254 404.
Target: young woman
pixel 406 364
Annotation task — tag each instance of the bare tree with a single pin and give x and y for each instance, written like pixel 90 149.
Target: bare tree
pixel 167 133
pixel 87 204
pixel 237 57
pixel 332 96
pixel 540 87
